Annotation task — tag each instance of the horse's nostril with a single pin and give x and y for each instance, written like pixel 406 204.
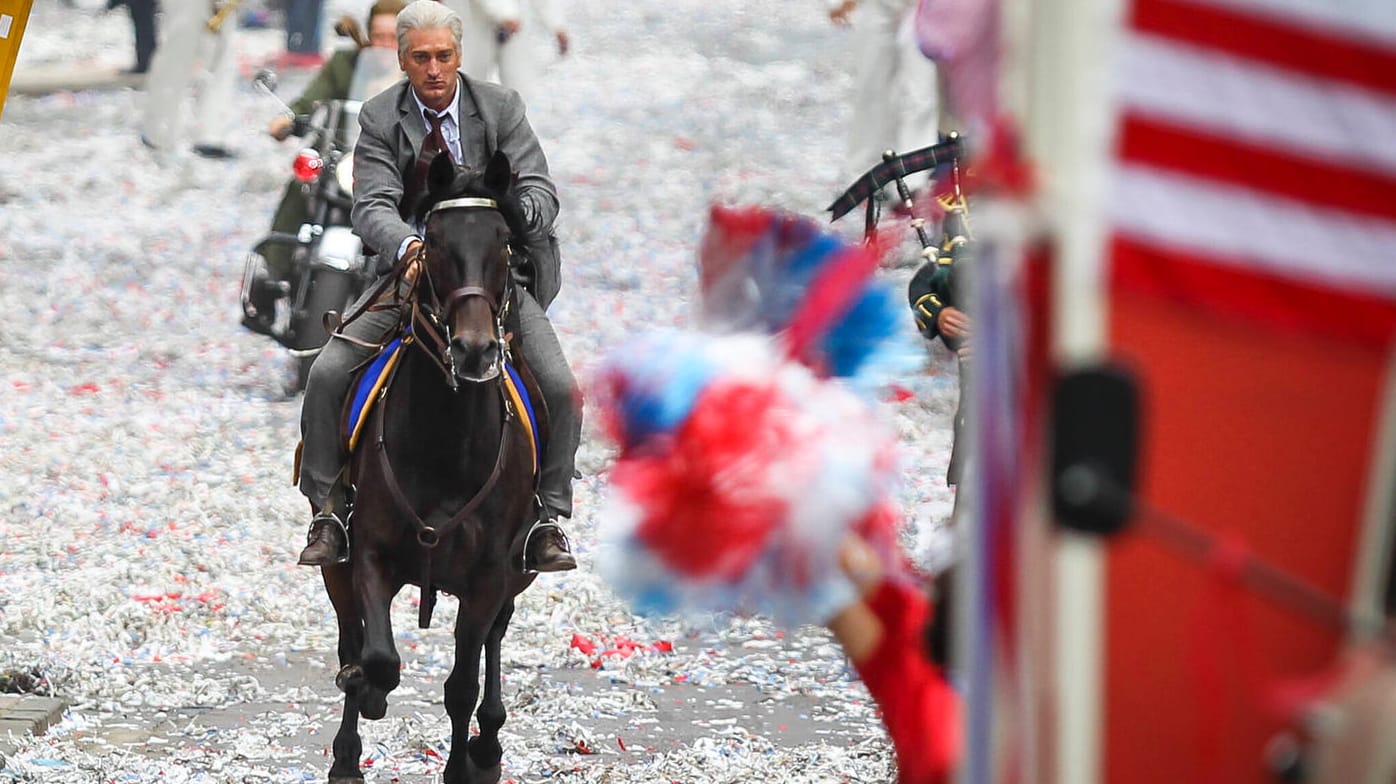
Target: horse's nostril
pixel 475 360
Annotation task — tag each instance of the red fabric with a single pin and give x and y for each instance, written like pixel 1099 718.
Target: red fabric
pixel 1306 307
pixel 1226 158
pixel 920 710
pixel 1294 44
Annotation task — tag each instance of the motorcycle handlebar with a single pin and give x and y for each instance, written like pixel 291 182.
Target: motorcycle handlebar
pixel 324 122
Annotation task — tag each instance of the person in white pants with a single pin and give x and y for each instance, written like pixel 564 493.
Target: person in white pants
pixel 895 96
pixel 511 41
pixel 189 49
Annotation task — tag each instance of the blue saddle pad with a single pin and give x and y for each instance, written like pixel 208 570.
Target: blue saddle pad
pixel 371 381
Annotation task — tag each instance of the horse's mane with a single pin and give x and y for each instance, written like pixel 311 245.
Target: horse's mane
pixel 469 182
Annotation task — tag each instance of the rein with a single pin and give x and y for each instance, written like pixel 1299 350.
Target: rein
pixel 425 326
pixel 373 303
pixel 429 536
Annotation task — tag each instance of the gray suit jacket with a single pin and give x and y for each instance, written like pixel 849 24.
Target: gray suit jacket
pixel 491 118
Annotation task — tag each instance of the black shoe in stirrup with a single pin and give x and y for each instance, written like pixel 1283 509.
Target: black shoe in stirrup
pixel 547 549
pixel 327 543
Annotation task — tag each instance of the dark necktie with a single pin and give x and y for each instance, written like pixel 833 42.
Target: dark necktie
pixel 434 144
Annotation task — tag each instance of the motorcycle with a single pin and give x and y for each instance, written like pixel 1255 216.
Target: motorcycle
pixel 329 270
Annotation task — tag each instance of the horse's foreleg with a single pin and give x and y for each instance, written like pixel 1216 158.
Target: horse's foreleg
pixel 348 747
pixel 382 669
pixel 462 692
pixel 485 751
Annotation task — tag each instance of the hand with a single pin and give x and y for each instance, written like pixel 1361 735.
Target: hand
pixel 953 323
pixel 856 628
pixel 280 127
pixel 414 262
pixel 840 16
pixel 965 351
pixel 860 563
pixel 564 42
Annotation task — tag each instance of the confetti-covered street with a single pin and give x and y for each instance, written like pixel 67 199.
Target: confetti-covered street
pixel 148 524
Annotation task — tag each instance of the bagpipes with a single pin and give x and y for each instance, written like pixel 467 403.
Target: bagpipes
pixel 893 170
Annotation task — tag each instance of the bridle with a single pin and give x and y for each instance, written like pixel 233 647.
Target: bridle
pixel 427 325
pixel 432 324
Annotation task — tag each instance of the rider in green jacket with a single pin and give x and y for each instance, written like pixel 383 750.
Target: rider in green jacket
pixel 331 83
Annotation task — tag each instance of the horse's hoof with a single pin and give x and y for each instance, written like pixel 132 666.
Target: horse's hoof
pixel 474 774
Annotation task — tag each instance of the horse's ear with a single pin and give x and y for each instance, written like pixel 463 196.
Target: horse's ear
pixel 441 174
pixel 498 176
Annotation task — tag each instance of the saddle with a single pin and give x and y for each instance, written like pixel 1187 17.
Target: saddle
pixel 371 385
pixel 372 381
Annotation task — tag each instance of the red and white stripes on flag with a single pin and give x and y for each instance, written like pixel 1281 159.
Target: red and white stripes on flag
pixel 1256 166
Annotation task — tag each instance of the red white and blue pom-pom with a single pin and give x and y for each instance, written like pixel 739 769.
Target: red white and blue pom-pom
pixel 780 274
pixel 743 465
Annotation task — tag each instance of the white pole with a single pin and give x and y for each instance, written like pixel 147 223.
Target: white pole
pixel 1375 545
pixel 1063 73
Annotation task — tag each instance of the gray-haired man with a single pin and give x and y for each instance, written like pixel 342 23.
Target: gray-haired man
pixel 476 118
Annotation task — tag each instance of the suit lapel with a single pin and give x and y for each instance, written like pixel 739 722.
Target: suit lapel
pixel 411 122
pixel 472 128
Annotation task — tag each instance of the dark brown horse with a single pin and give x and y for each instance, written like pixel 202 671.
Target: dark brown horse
pixel 444 482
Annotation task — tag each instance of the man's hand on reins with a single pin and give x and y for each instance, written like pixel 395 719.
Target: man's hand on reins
pixel 412 261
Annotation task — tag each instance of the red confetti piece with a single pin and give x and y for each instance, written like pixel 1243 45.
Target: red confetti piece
pixel 587 647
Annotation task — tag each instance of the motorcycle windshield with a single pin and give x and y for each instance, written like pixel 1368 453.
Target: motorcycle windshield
pixel 375 70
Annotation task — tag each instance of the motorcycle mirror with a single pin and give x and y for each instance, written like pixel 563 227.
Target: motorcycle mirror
pixel 266 79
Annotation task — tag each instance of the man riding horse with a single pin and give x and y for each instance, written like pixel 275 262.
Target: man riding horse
pixel 439 108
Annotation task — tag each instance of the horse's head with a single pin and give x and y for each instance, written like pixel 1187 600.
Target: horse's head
pixel 473 225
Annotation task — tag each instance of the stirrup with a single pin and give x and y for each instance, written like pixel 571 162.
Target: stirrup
pixel 343 530
pixel 541 522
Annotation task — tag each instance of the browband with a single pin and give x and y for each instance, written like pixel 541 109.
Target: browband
pixel 468 201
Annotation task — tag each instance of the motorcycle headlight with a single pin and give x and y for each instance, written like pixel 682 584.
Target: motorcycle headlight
pixel 339 249
pixel 344 174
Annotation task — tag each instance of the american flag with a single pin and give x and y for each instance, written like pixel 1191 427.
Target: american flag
pixel 1251 225
pixel 1256 168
